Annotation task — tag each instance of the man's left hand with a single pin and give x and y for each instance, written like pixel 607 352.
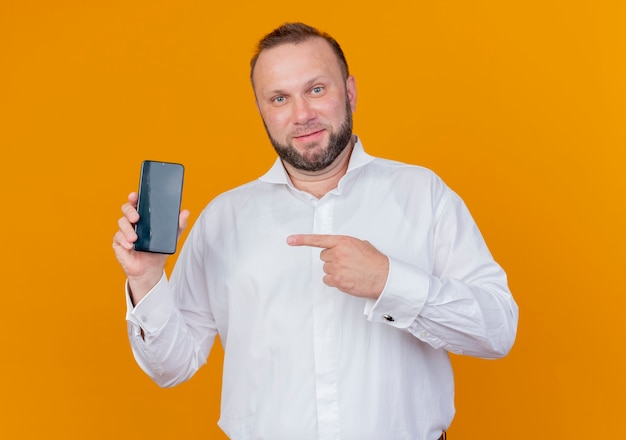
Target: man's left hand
pixel 351 265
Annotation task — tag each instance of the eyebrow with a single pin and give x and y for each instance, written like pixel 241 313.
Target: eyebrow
pixel 308 84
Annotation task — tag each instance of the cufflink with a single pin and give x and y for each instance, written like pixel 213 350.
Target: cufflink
pixel 388 317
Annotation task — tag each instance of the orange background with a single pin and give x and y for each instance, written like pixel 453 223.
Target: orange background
pixel 520 106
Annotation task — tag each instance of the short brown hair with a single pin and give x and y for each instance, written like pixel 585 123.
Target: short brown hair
pixel 296 33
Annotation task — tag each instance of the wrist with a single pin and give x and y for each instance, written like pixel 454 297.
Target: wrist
pixel 140 286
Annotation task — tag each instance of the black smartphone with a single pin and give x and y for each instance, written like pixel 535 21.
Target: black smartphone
pixel 160 195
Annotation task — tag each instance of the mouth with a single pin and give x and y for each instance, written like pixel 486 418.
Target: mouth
pixel 309 137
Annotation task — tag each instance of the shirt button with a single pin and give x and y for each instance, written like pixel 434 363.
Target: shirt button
pixel 388 317
pixel 144 318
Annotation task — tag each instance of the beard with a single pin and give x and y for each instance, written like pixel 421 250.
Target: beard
pixel 337 142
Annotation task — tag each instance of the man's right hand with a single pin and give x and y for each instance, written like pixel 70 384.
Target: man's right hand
pixel 143 269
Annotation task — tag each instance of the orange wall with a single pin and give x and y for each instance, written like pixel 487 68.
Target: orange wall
pixel 519 106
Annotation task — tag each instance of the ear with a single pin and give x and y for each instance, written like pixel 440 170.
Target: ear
pixel 351 91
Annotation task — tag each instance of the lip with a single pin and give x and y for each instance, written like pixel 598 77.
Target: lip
pixel 309 137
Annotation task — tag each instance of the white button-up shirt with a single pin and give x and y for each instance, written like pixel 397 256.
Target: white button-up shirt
pixel 304 360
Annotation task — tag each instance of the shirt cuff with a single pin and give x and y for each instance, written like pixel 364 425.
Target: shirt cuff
pixel 403 297
pixel 154 309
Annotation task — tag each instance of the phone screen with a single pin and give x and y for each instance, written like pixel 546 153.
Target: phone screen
pixel 160 195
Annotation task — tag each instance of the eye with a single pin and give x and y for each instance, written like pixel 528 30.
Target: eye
pixel 317 90
pixel 278 99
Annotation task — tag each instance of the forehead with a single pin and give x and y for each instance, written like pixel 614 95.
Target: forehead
pixel 289 63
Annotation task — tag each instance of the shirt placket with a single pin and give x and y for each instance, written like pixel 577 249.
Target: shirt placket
pixel 324 338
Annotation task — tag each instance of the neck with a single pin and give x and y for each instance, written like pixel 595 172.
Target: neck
pixel 318 183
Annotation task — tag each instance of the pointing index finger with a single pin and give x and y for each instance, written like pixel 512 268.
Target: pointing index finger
pixel 315 240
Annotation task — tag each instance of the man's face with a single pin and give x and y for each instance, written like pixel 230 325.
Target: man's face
pixel 305 102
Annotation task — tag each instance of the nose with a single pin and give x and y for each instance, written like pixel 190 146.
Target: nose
pixel 303 111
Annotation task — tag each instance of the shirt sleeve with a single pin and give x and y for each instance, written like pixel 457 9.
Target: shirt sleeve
pixel 172 330
pixel 463 304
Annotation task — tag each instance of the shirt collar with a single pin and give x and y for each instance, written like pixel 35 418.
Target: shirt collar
pixel 278 174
